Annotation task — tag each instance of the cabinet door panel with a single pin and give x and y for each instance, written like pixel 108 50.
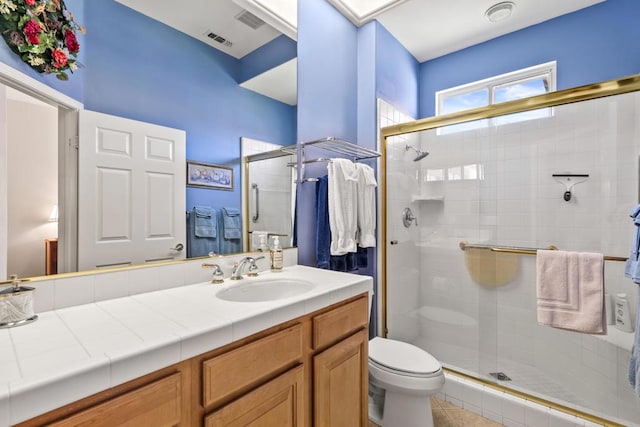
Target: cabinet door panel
pixel 280 402
pixel 157 404
pixel 338 323
pixel 239 369
pixel 341 383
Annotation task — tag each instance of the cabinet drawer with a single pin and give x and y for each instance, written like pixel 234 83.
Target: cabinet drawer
pixel 157 404
pixel 331 326
pixel 251 364
pixel 280 402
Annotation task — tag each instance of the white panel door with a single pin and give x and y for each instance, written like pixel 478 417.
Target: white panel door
pixel 3 183
pixel 131 207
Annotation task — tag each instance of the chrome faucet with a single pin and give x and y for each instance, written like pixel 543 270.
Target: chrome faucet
pixel 253 268
pixel 218 274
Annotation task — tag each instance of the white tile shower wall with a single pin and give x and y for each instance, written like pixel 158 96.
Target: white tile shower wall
pixel 67 292
pixel 274 178
pixel 506 409
pixel 516 201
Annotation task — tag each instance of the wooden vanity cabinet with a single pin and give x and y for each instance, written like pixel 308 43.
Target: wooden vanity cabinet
pixel 340 365
pixel 159 399
pixel 311 371
pixel 279 402
pixel 327 387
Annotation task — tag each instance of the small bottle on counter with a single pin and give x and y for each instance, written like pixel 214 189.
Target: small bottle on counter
pixel 276 255
pixel 622 314
pixel 262 245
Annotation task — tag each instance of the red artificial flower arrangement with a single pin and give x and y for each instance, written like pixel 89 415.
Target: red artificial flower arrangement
pixel 42 33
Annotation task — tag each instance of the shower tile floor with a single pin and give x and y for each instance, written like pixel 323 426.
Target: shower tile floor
pixel 447 415
pixel 523 377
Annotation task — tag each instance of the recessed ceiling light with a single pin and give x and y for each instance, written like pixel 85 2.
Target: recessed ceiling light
pixel 500 11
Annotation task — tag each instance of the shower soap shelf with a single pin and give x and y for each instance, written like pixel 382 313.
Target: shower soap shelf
pixel 427 198
pixel 334 145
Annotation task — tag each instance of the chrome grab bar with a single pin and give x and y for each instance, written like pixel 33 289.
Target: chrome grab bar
pixel 257 215
pixel 524 251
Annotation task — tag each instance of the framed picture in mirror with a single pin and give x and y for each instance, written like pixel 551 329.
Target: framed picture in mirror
pixel 206 175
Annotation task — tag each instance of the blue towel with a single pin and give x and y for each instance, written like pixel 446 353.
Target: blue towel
pixel 347 262
pixel 631 267
pixel 231 223
pixel 634 365
pixel 200 246
pixel 362 257
pixel 323 232
pixel 294 240
pixel 350 262
pixel 205 222
pixel 635 214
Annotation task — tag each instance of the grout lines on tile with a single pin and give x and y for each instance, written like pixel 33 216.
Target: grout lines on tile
pixel 447 415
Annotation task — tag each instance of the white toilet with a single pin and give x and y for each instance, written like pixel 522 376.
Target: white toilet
pixel 402 378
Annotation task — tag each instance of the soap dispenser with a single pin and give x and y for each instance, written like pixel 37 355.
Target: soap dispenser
pixel 276 255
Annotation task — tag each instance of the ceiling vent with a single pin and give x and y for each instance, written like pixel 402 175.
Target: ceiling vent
pixel 219 39
pixel 249 19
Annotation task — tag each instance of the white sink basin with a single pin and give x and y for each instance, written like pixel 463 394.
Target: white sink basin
pixel 271 289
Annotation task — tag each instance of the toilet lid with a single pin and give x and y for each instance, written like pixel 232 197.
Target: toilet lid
pixel 401 356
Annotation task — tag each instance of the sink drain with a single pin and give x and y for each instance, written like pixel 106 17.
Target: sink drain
pixel 500 376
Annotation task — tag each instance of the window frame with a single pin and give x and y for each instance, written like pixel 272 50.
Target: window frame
pixel 547 71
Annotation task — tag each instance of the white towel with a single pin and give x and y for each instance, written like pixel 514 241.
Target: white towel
pixel 570 289
pixel 342 206
pixel 366 206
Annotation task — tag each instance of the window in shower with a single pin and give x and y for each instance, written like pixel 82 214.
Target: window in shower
pixel 524 83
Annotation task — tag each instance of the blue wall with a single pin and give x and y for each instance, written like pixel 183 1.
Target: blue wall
pixel 385 70
pixel 397 73
pixel 591 45
pixel 276 52
pixel 327 98
pixel 148 71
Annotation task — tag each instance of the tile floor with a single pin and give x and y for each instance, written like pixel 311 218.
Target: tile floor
pixel 447 415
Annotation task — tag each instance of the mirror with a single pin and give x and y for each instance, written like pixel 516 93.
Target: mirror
pixel 206 93
pixel 269 193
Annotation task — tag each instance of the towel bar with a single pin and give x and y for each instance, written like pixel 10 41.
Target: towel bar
pixel 523 251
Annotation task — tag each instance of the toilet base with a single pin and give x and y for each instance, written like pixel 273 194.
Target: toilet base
pixel 406 410
pixel 375 412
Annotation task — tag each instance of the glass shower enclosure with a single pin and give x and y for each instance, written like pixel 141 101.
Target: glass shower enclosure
pixel 556 171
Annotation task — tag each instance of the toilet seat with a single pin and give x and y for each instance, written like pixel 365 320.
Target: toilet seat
pixel 402 358
pixel 373 363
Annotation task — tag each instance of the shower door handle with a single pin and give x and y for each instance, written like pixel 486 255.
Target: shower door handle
pixel 408 217
pixel 257 215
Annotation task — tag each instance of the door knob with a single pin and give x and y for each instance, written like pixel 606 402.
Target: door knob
pixel 179 247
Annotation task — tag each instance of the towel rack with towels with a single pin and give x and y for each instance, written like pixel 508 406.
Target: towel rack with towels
pixel 318 160
pixel 335 145
pixel 523 251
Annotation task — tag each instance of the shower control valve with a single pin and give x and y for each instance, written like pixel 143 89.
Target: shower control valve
pixel 408 217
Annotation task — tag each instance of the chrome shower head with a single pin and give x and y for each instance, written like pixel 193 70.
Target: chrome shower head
pixel 420 154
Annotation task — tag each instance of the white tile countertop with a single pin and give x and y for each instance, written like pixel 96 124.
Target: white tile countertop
pixel 74 352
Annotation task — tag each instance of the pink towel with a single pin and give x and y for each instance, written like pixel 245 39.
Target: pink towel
pixel 570 289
